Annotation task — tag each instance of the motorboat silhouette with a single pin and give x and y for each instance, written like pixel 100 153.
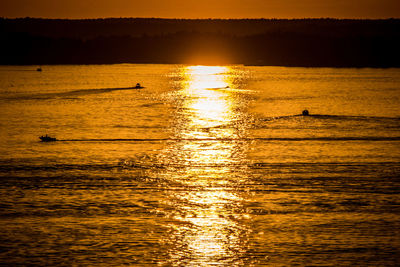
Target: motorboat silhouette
pixel 47 138
pixel 138 86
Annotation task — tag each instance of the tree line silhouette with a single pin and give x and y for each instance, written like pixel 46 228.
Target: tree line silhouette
pixel 304 42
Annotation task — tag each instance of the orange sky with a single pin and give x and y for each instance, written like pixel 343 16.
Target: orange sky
pixel 201 8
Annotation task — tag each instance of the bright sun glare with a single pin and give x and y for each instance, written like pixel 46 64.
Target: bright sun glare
pixel 210 105
pixel 204 127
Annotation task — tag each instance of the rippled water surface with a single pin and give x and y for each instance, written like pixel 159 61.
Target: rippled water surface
pixel 204 166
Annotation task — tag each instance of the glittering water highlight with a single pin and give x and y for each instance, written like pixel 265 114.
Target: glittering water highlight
pixel 206 165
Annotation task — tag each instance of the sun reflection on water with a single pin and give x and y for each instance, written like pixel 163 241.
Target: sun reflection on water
pixel 206 104
pixel 206 228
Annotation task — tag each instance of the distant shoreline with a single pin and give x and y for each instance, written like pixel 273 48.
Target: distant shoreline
pixel 200 19
pixel 340 43
pixel 34 66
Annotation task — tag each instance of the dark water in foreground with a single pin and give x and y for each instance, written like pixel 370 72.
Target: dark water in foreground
pixel 204 166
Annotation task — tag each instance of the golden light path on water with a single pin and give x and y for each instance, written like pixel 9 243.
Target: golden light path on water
pixel 208 232
pixel 209 103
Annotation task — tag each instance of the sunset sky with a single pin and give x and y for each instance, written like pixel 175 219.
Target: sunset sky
pixel 201 8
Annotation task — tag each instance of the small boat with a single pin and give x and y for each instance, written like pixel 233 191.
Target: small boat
pixel 47 138
pixel 138 86
pixel 39 69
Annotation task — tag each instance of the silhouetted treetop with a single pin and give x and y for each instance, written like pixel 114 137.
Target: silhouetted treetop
pixel 89 28
pixel 304 42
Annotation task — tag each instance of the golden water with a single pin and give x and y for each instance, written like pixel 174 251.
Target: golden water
pixel 207 165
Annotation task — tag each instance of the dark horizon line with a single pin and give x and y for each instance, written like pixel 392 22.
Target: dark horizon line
pixel 201 64
pixel 272 42
pixel 196 19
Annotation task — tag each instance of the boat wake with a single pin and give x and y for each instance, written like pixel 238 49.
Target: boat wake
pixel 69 94
pixel 294 139
pixel 331 117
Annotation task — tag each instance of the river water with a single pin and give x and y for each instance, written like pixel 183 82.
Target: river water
pixel 204 166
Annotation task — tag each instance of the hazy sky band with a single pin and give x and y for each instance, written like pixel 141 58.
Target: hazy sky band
pixel 372 9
